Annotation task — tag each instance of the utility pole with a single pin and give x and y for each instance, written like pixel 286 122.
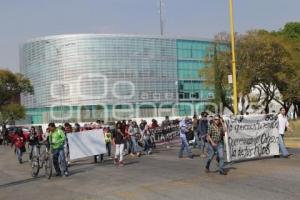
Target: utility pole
pixel 161 4
pixel 235 100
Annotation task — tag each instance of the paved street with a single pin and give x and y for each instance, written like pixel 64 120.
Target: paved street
pixel 158 176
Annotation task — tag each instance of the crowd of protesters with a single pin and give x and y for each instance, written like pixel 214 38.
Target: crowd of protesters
pixel 131 138
pixel 128 138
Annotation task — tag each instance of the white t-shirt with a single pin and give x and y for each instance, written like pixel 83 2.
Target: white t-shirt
pixel 282 123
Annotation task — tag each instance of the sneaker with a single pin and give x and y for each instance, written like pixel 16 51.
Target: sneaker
pixel 223 173
pixel 191 157
pixel 66 174
pixel 58 174
pixel 121 163
pixel 116 161
pixel 206 169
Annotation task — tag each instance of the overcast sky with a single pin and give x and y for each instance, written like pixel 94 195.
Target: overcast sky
pixel 22 20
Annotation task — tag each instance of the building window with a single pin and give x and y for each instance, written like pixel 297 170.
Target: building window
pixel 186 95
pixel 180 95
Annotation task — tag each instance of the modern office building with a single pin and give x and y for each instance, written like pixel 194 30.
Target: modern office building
pixel 83 77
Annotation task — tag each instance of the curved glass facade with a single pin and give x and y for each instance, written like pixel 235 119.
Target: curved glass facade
pixel 87 72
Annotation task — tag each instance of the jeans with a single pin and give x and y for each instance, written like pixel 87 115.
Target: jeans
pixel 108 148
pixel 202 143
pixel 128 146
pixel 147 145
pixel 282 147
pixel 119 152
pixel 32 151
pixel 135 147
pixel 19 154
pixel 219 149
pixel 197 140
pixel 59 161
pixel 184 146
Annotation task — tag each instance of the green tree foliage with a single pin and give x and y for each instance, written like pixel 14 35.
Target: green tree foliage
pixel 216 74
pixel 11 112
pixel 265 62
pixel 11 86
pixel 291 76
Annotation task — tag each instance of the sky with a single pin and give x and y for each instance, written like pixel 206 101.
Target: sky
pixel 21 20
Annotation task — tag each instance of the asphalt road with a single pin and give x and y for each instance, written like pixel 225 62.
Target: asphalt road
pixel 158 176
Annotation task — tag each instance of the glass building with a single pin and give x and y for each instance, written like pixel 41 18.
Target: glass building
pixel 84 77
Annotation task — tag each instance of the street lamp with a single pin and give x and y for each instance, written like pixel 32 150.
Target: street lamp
pixel 58 50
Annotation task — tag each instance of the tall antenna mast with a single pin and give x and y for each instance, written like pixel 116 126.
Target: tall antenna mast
pixel 161 4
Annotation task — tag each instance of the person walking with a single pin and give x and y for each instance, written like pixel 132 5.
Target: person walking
pixel 19 142
pixel 184 130
pixel 215 136
pixel 32 142
pixel 283 125
pixel 202 132
pixel 195 123
pixel 57 141
pixel 107 139
pixel 119 141
pixel 133 132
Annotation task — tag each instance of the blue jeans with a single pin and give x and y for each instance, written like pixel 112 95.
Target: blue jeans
pixel 202 143
pixel 59 160
pixel 133 144
pixel 282 147
pixel 146 144
pixel 197 140
pixel 32 150
pixel 184 146
pixel 19 154
pixel 219 149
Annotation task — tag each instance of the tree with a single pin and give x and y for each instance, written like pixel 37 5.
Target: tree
pixel 11 112
pixel 290 77
pixel 216 73
pixel 262 58
pixel 11 86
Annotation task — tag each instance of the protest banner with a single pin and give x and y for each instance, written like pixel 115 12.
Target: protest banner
pixel 250 137
pixel 86 143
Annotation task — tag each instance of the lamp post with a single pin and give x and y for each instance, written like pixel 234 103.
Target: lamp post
pixel 58 50
pixel 235 103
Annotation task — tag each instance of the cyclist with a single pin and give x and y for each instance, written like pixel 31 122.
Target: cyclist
pixel 57 141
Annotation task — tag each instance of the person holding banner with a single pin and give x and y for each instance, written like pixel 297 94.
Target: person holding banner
pixel 283 125
pixel 215 136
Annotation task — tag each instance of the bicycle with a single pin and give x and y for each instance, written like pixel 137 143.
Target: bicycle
pixel 42 159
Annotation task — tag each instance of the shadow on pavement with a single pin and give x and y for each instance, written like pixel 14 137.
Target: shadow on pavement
pixel 20 182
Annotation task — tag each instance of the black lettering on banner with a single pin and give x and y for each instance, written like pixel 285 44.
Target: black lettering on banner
pixel 243 146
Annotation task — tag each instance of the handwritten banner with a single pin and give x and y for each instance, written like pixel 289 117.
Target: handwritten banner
pixel 251 137
pixel 86 143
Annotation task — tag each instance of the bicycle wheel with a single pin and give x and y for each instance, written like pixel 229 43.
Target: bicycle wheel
pixel 48 166
pixel 35 166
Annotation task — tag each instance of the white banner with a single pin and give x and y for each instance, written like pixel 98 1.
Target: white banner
pixel 251 137
pixel 86 143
